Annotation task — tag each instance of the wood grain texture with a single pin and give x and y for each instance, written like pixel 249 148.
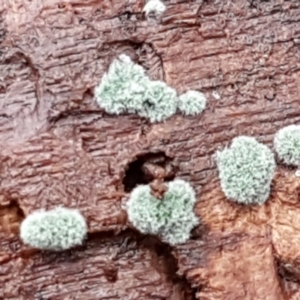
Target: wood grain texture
pixel 57 147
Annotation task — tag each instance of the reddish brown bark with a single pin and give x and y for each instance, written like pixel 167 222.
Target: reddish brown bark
pixel 58 148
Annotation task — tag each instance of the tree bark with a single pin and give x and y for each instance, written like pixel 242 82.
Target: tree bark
pixel 57 147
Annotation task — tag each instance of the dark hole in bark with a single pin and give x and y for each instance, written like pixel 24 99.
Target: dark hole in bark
pixel 135 175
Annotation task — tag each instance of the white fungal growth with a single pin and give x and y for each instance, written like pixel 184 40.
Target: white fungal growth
pixel 156 7
pixel 246 170
pixel 287 144
pixel 171 218
pixel 123 87
pixel 56 230
pixel 192 103
pixel 160 102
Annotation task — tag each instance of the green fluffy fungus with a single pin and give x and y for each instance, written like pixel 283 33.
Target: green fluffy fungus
pixel 246 170
pixel 172 218
pixel 160 102
pixel 56 230
pixel 192 103
pixel 287 145
pixel 126 89
pixel 123 87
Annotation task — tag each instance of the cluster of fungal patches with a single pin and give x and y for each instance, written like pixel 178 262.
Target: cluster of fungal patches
pixel 247 168
pixel 125 88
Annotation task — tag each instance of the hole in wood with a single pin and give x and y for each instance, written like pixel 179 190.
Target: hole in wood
pixel 148 167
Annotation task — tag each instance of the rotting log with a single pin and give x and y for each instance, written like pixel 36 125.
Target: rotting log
pixel 57 147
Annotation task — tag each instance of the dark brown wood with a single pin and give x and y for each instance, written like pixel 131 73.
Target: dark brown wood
pixel 57 147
